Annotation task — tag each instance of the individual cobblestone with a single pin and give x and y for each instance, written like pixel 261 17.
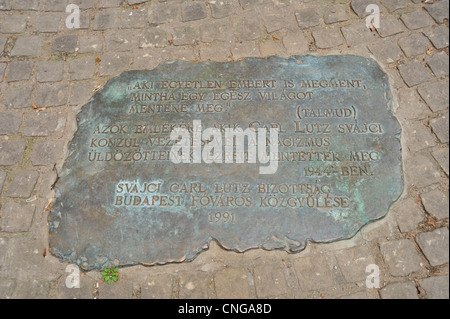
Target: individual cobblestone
pixel 9 123
pixel 28 46
pixel 440 127
pixel 402 257
pixel 49 71
pixel 414 73
pixel 23 184
pixel 19 71
pixel 192 11
pixel 40 124
pixel 439 64
pixel 47 95
pixel 269 281
pixel 435 95
pixel 390 27
pixel 414 45
pixel 47 153
pixel 436 287
pixel 417 20
pixel 435 245
pixel 439 10
pixel 438 36
pixel 11 153
pixel 441 156
pixel 327 38
pixel 232 284
pixel 408 215
pixel 405 290
pixel 17 217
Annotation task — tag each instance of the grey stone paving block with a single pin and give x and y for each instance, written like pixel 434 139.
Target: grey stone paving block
pixel 438 10
pixel 47 153
pixel 192 11
pixel 49 71
pixel 394 5
pixel 404 290
pixel 11 153
pixel 40 124
pixel 80 93
pixel 440 127
pixel 13 24
pixel 10 123
pixel 48 22
pixel 154 38
pixel 7 286
pixel 436 287
pixel 327 38
pixel 436 202
pixel 19 97
pixel 194 285
pixel 354 261
pixel 133 19
pixel 82 69
pixel 359 6
pixel 386 51
pixel 314 273
pixel 401 256
pixel 157 287
pixel 215 31
pixel 295 42
pixel 435 246
pixel 269 281
pixel 421 171
pixel 438 36
pixel 32 5
pixel 27 46
pixel 231 284
pixel 104 20
pixel 358 33
pixel 223 8
pixel 277 21
pixel 390 26
pixel 5 5
pixel 415 44
pixel 244 49
pixel 65 43
pixel 185 35
pixel 408 215
pixel 90 44
pixel 435 95
pixel 307 18
pixel 56 5
pixel 2 182
pixel 113 64
pixel 48 95
pixel 164 13
pixel 19 71
pixel 441 156
pixel 417 19
pixel 247 28
pixel 17 217
pixel 23 184
pixel 335 13
pixel 414 73
pixel 418 137
pixel 439 64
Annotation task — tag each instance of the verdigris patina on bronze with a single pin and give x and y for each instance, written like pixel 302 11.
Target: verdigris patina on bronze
pixel 122 200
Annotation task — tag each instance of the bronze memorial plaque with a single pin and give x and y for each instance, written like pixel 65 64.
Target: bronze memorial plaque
pixel 258 153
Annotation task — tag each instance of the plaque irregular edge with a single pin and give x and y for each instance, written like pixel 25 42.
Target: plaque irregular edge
pixel 286 244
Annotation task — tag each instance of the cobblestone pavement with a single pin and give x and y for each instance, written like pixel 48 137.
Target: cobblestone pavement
pixel 48 71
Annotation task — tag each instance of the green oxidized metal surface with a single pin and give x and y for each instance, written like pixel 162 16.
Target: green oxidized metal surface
pixel 120 199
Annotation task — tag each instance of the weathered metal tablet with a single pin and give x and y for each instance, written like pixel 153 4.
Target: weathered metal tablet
pixel 334 160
